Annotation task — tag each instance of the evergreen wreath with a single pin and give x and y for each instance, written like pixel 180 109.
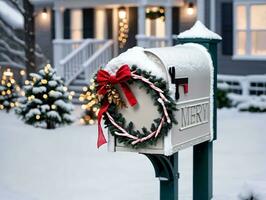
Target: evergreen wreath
pixel 124 131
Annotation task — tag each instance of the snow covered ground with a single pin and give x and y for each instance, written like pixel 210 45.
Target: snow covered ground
pixel 64 164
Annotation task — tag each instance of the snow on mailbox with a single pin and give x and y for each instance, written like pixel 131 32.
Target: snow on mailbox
pixel 157 100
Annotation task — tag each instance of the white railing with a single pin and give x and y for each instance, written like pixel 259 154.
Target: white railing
pixel 152 41
pixel 73 61
pixel 67 45
pixel 244 85
pixel 99 58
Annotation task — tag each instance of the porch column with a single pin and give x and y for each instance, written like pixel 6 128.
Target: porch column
pixel 59 36
pixel 168 24
pixel 201 10
pixel 59 22
pixel 141 25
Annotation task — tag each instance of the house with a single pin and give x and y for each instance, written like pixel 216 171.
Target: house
pixel 79 35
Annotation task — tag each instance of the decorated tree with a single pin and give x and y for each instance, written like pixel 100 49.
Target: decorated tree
pixel 47 102
pixel 8 91
pixel 90 100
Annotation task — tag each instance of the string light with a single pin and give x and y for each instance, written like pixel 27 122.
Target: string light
pixel 53 107
pixel 37 117
pixel 44 81
pixel 12 104
pixel 84 89
pixel 45 96
pixel 123 27
pixel 1 107
pixel 65 88
pixel 72 93
pixel 22 72
pixel 27 82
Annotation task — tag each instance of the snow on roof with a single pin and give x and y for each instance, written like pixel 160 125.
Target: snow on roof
pixel 199 30
pixel 11 15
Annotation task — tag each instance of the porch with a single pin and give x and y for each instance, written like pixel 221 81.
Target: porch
pixel 88 34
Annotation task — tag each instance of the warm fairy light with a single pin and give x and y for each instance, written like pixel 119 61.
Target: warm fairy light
pixel 3 92
pixel 45 96
pixel 81 98
pixel 17 88
pixel 22 72
pixel 91 121
pixel 82 121
pixel 8 72
pixel 22 93
pixel 3 82
pixel 83 107
pixel 44 81
pixel 92 80
pixel 70 97
pixel 8 84
pixel 16 103
pixel 84 89
pixel 12 81
pixel 94 109
pixel 122 13
pixel 1 107
pixel 65 88
pixel 92 87
pixel 27 82
pixel 53 107
pixel 37 117
pixel 12 104
pixel 8 92
pixel 72 93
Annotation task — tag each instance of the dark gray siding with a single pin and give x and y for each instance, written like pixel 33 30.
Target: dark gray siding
pixel 226 65
pixel 43 33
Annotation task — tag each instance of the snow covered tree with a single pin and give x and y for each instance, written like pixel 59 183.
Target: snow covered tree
pixel 47 103
pixel 8 91
pixel 17 43
pixel 90 104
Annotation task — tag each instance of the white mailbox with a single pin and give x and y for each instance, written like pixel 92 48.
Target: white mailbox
pixel 188 71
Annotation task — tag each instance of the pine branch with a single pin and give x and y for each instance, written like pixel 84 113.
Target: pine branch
pixel 17 5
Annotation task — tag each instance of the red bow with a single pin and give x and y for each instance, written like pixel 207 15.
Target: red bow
pixel 122 75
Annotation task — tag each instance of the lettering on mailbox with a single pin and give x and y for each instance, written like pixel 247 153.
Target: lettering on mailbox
pixel 194 115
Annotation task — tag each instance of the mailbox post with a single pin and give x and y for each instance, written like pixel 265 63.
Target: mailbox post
pixel 203 153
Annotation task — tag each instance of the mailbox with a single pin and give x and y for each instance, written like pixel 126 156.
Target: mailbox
pixel 188 71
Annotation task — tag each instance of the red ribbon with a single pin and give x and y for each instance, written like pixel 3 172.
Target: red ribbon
pixel 122 75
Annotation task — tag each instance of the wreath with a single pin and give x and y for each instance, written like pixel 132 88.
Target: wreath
pixel 111 101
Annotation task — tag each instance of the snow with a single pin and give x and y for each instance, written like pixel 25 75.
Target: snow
pixel 255 189
pixel 52 83
pixel 11 15
pixel 64 163
pixel 199 30
pixel 33 112
pixel 65 106
pixel 55 94
pixel 54 115
pixel 37 90
pixel 135 56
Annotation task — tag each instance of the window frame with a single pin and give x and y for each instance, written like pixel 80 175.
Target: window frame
pixel 248 55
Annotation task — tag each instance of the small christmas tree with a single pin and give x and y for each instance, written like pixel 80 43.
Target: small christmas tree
pixel 8 91
pixel 90 104
pixel 47 103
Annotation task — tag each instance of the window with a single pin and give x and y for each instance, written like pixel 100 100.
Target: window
pixel 76 24
pixel 250 30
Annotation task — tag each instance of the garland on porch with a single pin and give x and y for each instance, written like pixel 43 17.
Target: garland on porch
pixel 111 102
